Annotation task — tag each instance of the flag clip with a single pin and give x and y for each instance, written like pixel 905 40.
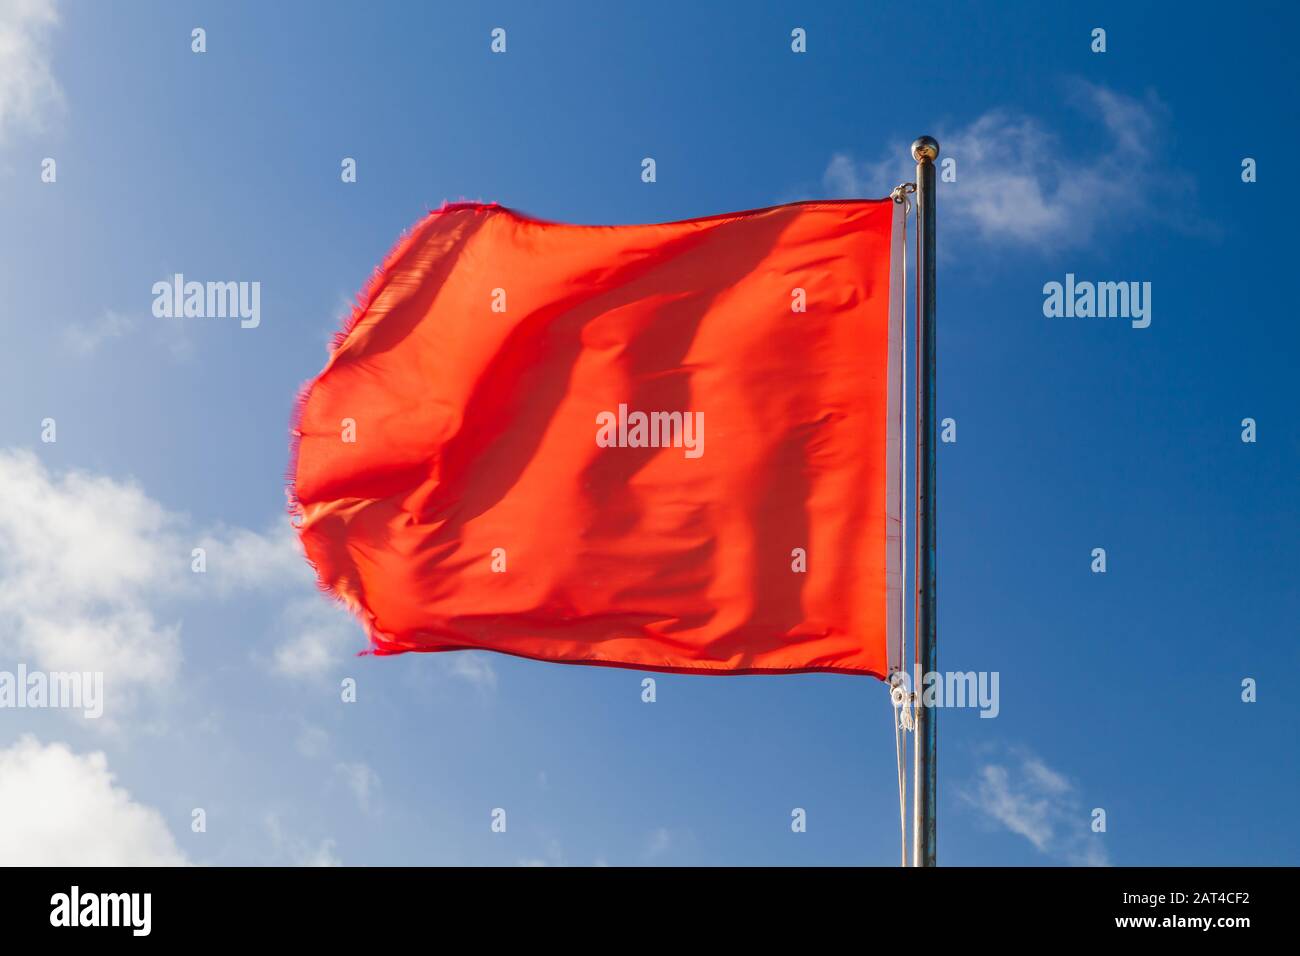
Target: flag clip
pixel 900 194
pixel 902 699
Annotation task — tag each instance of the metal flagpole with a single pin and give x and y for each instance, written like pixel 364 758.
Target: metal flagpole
pixel 925 151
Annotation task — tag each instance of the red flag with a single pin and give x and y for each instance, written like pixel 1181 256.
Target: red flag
pixel 671 447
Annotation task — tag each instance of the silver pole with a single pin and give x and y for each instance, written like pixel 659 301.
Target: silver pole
pixel 925 151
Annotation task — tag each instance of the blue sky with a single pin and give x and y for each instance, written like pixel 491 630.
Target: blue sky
pixel 1119 690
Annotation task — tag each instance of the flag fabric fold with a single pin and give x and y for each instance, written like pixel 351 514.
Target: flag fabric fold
pixel 671 447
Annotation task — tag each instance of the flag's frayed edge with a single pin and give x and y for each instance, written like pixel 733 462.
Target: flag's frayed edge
pixel 365 299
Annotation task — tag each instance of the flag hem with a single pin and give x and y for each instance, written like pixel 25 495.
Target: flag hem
pixel 894 514
pixel 381 651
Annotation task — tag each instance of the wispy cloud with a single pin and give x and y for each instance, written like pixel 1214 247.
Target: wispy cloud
pixel 319 856
pixel 1018 185
pixel 84 338
pixel 554 856
pixel 428 671
pixel 312 741
pixel 474 669
pixel 659 843
pixel 29 93
pixel 316 635
pixel 1024 795
pixel 174 339
pixel 296 851
pixel 362 780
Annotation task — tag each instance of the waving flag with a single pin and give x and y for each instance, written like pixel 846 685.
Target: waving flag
pixel 670 447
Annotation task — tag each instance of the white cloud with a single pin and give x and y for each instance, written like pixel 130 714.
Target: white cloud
pixel 84 558
pixel 362 781
pixel 321 637
pixel 1030 799
pixel 244 560
pixel 58 808
pixel 81 559
pixel 1019 186
pixel 28 90
pixel 86 563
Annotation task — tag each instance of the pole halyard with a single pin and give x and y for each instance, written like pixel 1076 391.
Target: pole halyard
pixel 924 830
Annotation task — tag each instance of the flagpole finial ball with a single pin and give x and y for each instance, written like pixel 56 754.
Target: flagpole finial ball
pixel 925 149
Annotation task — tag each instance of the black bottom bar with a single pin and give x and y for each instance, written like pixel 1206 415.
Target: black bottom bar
pixel 979 906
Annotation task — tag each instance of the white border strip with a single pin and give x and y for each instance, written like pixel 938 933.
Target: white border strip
pixel 894 477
